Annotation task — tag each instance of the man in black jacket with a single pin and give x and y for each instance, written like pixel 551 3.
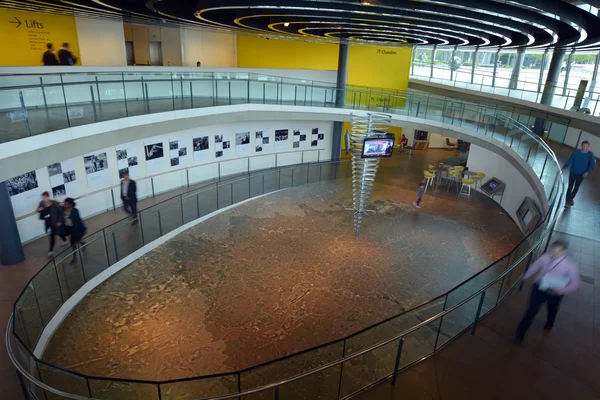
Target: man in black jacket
pixel 65 56
pixel 49 58
pixel 129 196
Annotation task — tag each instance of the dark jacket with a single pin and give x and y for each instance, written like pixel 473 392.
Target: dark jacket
pixel 49 58
pixel 53 217
pixel 131 191
pixel 78 229
pixel 65 57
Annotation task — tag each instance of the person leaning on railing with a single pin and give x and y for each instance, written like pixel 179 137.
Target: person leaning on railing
pixel 556 275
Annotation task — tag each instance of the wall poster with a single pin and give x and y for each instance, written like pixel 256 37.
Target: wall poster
pixel 155 156
pixel 317 139
pixel 296 141
pixel 24 191
pixel 96 169
pixel 242 143
pixel 177 152
pixel 201 148
pixel 281 139
pixel 62 179
pixel 128 160
pixel 223 145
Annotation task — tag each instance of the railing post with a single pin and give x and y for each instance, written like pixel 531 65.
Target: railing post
pixel 263 184
pixel 341 371
pixel 478 313
pixel 147 98
pixel 229 92
pixel 191 94
pixel 115 245
pixel 98 91
pixel 173 92
pixel 24 111
pixel 141 227
pixel 93 103
pixel 295 94
pixel 62 85
pixel 397 363
pixel 152 183
pixel 43 94
pixel 159 224
pixel 124 94
pixel 198 204
pixel 112 195
pixel 276 394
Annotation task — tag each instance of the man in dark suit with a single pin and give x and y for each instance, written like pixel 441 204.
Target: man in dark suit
pixel 129 196
pixel 49 58
pixel 65 56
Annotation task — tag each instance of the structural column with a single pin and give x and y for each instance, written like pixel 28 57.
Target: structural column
pixel 569 62
pixel 432 60
pixel 340 98
pixel 11 250
pixel 586 101
pixel 496 58
pixel 516 71
pixel 556 63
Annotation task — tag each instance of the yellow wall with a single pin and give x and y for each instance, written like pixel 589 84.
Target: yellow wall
pixel 25 44
pixel 367 66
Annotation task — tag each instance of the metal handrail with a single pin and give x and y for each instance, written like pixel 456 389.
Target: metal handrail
pixel 546 220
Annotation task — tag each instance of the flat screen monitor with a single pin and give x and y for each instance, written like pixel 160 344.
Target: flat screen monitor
pixel 493 186
pixel 377 147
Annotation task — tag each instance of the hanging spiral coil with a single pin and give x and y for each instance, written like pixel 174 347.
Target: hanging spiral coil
pixel 364 170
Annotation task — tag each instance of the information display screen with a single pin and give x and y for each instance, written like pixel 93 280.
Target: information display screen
pixel 378 147
pixel 493 186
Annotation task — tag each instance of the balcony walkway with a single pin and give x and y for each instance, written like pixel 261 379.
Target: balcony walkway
pixel 563 364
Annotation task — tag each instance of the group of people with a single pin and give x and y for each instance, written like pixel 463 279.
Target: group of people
pixel 63 219
pixel 64 57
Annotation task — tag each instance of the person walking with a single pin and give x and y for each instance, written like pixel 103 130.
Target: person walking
pixel 50 212
pixel 556 275
pixel 65 57
pixel 581 163
pixel 49 58
pixel 73 225
pixel 129 196
pixel 420 192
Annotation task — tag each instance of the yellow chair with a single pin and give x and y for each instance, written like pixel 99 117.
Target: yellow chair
pixel 454 175
pixel 459 168
pixel 479 179
pixel 467 183
pixel 429 177
pixel 431 168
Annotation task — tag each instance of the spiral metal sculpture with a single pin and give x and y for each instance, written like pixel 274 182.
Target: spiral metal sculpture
pixel 364 170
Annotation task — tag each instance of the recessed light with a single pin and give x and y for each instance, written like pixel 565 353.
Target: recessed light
pixel 286 24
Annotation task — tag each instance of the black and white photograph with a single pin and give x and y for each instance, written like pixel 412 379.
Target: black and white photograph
pixel 59 191
pixel 173 145
pixel 54 169
pixel 242 138
pixel 95 163
pixel 122 172
pixel 154 151
pixel 218 138
pixel 259 134
pixel 226 145
pixel 296 132
pixel 315 131
pixel 22 183
pixel 303 138
pixel 183 151
pixel 321 136
pixel 258 148
pixel 174 161
pixel 132 161
pixel 128 158
pixel 201 143
pixel 69 176
pixel 314 143
pixel 218 154
pixel 121 154
pixel 281 135
pixel 265 140
pixel 296 145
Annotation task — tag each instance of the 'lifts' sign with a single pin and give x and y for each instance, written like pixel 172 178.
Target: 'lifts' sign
pixel 30 32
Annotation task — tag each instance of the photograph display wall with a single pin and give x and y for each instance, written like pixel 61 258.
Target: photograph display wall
pixel 128 160
pixel 96 169
pixel 152 156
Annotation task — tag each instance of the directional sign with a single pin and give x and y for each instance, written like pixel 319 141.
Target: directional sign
pixel 30 32
pixel 16 21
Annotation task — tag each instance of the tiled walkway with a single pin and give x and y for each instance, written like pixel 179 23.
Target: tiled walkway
pixel 559 365
pixel 562 364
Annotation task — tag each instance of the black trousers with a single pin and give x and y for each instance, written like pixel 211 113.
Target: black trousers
pixel 419 200
pixel 130 206
pixel 574 183
pixel 53 233
pixel 538 298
